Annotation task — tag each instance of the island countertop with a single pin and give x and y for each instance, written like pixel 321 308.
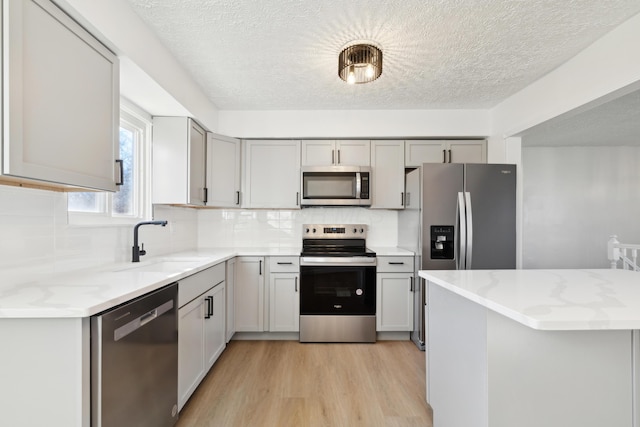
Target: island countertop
pixel 551 299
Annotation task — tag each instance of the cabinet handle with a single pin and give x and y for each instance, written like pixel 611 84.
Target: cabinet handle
pixel 396 263
pixel 209 307
pixel 297 198
pixel 260 268
pixel 444 156
pixel 285 263
pixel 296 284
pixel 401 199
pixel 411 284
pixel 333 157
pixel 449 156
pixel 120 163
pixel 237 198
pixel 206 195
pixel 338 156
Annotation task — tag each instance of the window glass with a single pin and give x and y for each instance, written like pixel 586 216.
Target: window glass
pixel 86 202
pixel 124 199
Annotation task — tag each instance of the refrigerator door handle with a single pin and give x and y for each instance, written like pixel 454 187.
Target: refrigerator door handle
pixel 461 240
pixel 469 250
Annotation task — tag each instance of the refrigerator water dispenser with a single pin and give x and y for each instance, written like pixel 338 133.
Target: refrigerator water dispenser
pixel 442 242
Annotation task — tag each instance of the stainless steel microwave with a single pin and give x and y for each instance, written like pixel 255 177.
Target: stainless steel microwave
pixel 336 186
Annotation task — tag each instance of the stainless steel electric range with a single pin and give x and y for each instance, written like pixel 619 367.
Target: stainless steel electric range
pixel 337 284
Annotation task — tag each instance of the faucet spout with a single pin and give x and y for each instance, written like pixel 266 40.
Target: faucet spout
pixel 136 251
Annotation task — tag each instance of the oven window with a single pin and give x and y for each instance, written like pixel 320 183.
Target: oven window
pixel 343 290
pixel 334 185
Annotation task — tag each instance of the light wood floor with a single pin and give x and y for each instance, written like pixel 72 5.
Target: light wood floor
pixel 286 383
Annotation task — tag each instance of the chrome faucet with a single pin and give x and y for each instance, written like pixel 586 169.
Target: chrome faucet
pixel 137 251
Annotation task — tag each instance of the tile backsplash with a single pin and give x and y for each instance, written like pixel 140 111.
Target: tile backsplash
pixel 36 233
pixel 283 228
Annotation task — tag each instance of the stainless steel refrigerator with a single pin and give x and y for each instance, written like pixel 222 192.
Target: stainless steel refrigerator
pixel 457 216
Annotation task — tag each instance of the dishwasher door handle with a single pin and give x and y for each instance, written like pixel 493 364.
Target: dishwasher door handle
pixel 139 322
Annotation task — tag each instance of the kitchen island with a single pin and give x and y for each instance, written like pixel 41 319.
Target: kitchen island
pixel 533 347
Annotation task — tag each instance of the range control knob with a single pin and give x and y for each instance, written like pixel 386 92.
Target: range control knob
pixel 355 230
pixel 314 230
pixel 361 230
pixel 307 230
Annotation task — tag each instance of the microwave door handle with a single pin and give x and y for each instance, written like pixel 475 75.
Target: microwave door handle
pixel 358 185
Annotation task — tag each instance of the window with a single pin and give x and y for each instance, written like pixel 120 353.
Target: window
pixel 132 200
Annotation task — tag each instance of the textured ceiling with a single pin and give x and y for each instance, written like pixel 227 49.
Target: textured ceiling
pixel 614 123
pixel 449 54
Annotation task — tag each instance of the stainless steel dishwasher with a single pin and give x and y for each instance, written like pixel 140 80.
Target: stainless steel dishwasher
pixel 134 362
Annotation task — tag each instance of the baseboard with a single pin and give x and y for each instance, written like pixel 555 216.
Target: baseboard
pixel 295 336
pixel 394 336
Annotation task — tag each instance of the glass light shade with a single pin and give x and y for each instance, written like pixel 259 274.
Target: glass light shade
pixel 360 63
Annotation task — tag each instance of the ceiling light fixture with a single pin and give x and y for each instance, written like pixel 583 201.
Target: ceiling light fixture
pixel 360 63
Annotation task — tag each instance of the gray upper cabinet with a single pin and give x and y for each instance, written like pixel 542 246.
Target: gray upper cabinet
pixel 418 152
pixel 60 100
pixel 223 171
pixel 271 172
pixel 179 161
pixel 342 152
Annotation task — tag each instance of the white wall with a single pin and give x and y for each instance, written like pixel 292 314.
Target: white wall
pixel 574 199
pixel 283 228
pixel 36 234
pixel 355 123
pixel 610 65
pixel 151 72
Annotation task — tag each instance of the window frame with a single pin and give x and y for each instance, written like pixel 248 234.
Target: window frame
pixel 134 118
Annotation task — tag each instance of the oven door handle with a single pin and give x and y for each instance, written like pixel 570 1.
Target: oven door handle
pixel 338 261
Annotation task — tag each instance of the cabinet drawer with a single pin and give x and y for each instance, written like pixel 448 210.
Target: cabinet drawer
pixel 192 286
pixel 284 264
pixel 394 264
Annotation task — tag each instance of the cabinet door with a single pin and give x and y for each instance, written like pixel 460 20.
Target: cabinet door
pixel 230 297
pixel 272 176
pixel 467 152
pixel 214 325
pixel 394 302
pixel 284 302
pixel 387 164
pixel 60 99
pixel 353 153
pixel 197 165
pixel 191 364
pixel 179 162
pixel 318 153
pixel 249 294
pixel 419 152
pixel 223 171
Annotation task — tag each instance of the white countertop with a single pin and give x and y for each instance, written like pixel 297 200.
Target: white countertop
pixel 47 293
pixel 551 299
pixel 390 251
pixel 83 293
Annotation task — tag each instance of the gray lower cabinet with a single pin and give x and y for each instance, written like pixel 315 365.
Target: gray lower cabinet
pixel 201 327
pixel 230 297
pixel 284 294
pixel 249 289
pixel 394 293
